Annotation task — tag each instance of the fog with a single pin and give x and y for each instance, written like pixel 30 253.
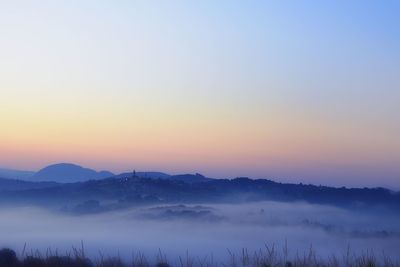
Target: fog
pixel 203 230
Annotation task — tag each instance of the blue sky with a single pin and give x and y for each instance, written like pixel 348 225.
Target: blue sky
pixel 292 90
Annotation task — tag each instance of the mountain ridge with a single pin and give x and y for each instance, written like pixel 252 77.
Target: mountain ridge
pixel 9 173
pixel 124 192
pixel 7 184
pixel 68 172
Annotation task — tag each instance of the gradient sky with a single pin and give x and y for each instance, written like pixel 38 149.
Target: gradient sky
pixel 299 91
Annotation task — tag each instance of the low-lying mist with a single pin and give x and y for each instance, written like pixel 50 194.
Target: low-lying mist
pixel 203 230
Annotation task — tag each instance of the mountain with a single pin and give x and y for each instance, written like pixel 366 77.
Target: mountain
pixel 15 174
pixel 149 175
pixel 123 192
pixel 19 185
pixel 190 178
pixel 68 173
pixel 187 178
pixel 153 175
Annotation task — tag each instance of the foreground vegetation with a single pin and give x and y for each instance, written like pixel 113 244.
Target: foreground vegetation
pixel 269 257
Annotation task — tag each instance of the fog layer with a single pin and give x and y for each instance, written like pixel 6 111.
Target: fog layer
pixel 203 230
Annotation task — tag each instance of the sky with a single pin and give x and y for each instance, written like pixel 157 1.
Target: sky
pixel 295 91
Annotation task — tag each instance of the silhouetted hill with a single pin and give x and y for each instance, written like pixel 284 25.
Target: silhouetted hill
pixel 150 175
pixel 17 185
pixel 16 174
pixel 121 192
pixel 68 173
pixel 188 178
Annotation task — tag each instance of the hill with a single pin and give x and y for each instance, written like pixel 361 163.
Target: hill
pixel 187 178
pixel 68 173
pixel 122 192
pixel 15 174
pixel 19 185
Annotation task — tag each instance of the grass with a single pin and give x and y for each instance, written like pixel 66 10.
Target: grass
pixel 268 257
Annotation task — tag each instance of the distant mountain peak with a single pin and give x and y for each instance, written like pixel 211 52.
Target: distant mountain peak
pixel 69 172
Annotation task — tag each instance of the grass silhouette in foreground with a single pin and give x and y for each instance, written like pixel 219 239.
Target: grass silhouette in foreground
pixel 269 257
